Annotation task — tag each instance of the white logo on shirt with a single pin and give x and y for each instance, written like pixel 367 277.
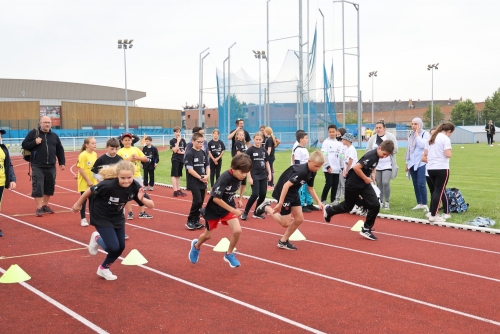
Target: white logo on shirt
pixel 114 199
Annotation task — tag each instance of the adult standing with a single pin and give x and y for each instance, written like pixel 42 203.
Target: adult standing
pixel 240 123
pixel 387 169
pixel 438 154
pixel 490 132
pixel 414 164
pixel 46 148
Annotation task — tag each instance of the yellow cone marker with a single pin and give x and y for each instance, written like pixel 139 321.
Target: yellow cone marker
pixel 222 246
pixel 134 258
pixel 297 236
pixel 14 275
pixel 357 227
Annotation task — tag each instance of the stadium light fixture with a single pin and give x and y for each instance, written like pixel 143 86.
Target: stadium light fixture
pixel 200 102
pixel 372 75
pixel 126 44
pixel 260 55
pixel 432 68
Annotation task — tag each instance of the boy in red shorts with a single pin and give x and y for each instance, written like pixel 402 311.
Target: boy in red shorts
pixel 221 208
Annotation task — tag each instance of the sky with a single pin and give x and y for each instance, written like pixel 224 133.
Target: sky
pixel 76 41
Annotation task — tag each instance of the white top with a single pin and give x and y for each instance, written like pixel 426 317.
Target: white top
pixel 435 156
pixel 301 154
pixel 383 163
pixel 293 149
pixel 332 149
pixel 350 152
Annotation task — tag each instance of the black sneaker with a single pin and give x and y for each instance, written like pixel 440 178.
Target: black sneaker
pixel 326 215
pixel 312 207
pixel 176 193
pixel 47 209
pixel 39 212
pixel 130 215
pixel 198 225
pixel 258 216
pixel 286 245
pixel 367 233
pixel 145 215
pixel 261 209
pixel 244 216
pixel 190 225
pixel 305 209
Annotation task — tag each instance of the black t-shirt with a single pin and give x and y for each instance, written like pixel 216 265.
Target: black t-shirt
pixel 240 147
pixel 233 141
pixel 225 188
pixel 108 199
pixel 216 147
pixel 153 158
pixel 103 161
pixel 270 143
pixel 369 162
pixel 199 161
pixel 298 175
pixel 182 148
pixel 259 158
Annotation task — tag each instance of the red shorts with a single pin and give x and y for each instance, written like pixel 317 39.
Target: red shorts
pixel 212 224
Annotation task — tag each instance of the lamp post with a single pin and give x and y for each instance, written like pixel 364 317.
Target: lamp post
pixel 125 44
pixel 260 55
pixel 372 75
pixel 229 88
pixel 431 68
pixel 324 73
pixel 200 102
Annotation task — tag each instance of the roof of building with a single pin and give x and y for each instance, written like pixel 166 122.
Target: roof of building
pixel 476 128
pixel 42 89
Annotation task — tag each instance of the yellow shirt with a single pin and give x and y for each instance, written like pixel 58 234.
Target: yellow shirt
pixel 86 161
pixel 3 178
pixel 126 153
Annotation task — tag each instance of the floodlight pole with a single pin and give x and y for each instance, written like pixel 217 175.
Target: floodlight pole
pixel 229 89
pixel 431 68
pixel 268 109
pixel 224 91
pixel 372 75
pixel 324 73
pixel 126 44
pixel 200 102
pixel 301 72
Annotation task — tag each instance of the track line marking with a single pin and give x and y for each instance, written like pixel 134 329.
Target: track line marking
pixel 44 253
pixel 215 293
pixel 60 306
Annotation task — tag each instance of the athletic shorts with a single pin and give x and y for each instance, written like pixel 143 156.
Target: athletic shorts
pixel 177 167
pixel 212 224
pixel 43 181
pixel 289 202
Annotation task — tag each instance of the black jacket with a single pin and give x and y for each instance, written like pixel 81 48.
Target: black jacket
pixel 45 153
pixel 9 169
pixel 490 129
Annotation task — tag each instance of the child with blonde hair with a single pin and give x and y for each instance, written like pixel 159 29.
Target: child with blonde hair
pixel 86 160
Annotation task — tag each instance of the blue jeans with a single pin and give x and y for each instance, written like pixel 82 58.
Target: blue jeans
pixel 305 198
pixel 418 178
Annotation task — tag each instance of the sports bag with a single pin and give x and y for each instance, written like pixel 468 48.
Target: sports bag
pixel 456 201
pixel 26 153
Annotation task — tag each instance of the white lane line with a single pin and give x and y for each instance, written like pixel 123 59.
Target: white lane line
pixel 239 302
pixel 60 306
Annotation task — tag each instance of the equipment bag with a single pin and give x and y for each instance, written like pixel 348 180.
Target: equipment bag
pixel 456 201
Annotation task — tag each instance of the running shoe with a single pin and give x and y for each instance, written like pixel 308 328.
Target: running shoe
pixel 194 253
pixel 367 233
pixel 84 222
pixel 106 273
pixel 145 215
pixel 261 209
pixel 47 209
pixel 231 259
pixel 93 245
pixel 286 245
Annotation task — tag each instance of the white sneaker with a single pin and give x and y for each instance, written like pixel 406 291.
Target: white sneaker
pixel 428 214
pixel 93 245
pixel 426 208
pixel 106 273
pixel 354 210
pixel 84 222
pixel 436 219
pixel 446 216
pixel 418 207
pixel 386 206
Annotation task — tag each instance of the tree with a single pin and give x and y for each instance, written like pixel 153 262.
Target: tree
pixel 492 107
pixel 237 108
pixel 351 117
pixel 438 116
pixel 464 113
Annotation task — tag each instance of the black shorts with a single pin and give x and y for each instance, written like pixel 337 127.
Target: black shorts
pixel 43 181
pixel 177 167
pixel 290 201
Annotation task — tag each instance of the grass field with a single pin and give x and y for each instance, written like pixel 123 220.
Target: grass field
pixel 471 171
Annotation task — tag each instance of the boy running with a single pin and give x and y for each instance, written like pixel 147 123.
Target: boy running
pixel 221 207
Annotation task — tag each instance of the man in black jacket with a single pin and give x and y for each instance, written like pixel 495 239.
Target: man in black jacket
pixel 45 147
pixel 490 132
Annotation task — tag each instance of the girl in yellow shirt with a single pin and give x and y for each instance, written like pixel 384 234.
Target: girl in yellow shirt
pixel 86 161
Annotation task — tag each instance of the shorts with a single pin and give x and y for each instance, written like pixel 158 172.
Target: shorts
pixel 43 181
pixel 140 180
pixel 289 202
pixel 177 167
pixel 212 224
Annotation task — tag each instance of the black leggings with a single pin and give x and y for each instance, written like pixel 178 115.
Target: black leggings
pixel 271 163
pixel 259 190
pixel 198 197
pixel 331 182
pixel 214 171
pixel 490 139
pixel 84 204
pixel 113 242
pixel 149 177
pixel 439 180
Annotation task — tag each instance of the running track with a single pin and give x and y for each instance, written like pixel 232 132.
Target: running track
pixel 414 279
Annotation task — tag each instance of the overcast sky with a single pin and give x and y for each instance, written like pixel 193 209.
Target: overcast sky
pixel 76 41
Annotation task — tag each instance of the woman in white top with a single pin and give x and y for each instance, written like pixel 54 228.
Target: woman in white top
pixel 387 169
pixel 438 156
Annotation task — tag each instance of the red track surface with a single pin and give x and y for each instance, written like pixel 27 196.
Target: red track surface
pixel 414 279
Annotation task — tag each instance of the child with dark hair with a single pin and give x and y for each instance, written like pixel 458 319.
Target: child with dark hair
pixel 301 156
pixel 332 149
pixel 108 199
pixel 197 170
pixel 151 152
pixel 216 150
pixel 221 208
pixel 178 147
pixel 358 183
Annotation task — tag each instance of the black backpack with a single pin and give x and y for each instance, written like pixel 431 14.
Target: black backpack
pixel 27 154
pixel 456 201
